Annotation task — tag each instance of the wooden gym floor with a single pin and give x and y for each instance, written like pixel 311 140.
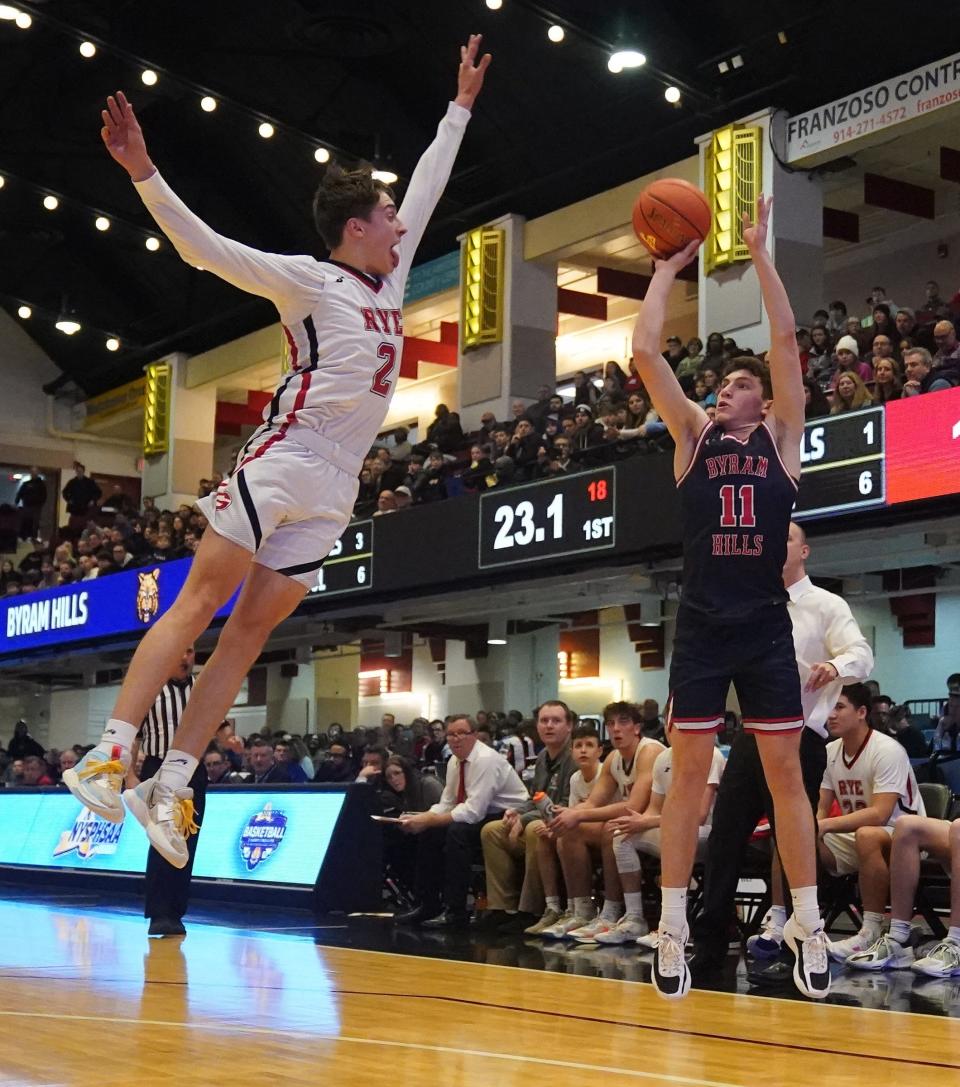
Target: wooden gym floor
pixel 86 998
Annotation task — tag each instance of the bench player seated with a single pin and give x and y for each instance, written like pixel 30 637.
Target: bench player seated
pixel 624 783
pixel 869 775
pixel 639 832
pixel 914 836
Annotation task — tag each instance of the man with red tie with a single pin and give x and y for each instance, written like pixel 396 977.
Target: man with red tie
pixel 481 785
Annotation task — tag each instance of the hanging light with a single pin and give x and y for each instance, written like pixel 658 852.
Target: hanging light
pixel 23 20
pixel 51 203
pixel 321 155
pixel 494 5
pixel 625 58
pixel 3 181
pixel 67 325
pixel 556 33
pixel 497 632
pixel 208 103
pixel 88 50
pixel 152 243
pixel 113 344
pixel 672 95
pixel 388 177
pixel 266 129
pixel 149 77
pixel 25 312
pixel 101 223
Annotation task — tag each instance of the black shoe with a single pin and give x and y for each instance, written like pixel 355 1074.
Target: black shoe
pixel 489 920
pixel 708 957
pixel 416 915
pixel 515 923
pixel 768 975
pixel 447 919
pixel 166 926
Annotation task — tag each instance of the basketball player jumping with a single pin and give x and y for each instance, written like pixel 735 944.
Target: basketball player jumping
pixel 292 490
pixel 737 479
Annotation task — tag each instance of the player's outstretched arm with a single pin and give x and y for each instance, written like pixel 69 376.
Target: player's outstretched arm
pixel 783 356
pixel 684 419
pixel 471 72
pixel 270 275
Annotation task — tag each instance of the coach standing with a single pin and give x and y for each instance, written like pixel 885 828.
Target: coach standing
pixel 167 888
pixel 831 651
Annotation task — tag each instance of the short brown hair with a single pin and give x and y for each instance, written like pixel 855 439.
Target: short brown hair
pixel 754 366
pixel 615 709
pixel 342 195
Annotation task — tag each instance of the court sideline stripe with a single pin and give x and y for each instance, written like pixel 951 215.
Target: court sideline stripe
pixel 231 1028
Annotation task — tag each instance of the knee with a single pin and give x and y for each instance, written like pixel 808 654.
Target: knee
pixel 607 835
pixel 908 828
pixel 955 834
pixel 868 839
pixel 490 834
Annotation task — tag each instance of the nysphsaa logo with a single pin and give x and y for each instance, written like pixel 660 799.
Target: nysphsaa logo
pixel 262 836
pixel 90 836
pixel 148 595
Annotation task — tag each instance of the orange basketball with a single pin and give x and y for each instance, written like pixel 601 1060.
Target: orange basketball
pixel 669 214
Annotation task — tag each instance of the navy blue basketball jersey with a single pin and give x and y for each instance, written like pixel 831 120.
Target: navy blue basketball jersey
pixel 736 500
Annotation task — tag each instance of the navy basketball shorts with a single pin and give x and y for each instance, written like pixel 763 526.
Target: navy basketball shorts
pixel 756 655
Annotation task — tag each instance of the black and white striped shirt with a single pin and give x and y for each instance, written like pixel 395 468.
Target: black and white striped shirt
pixel 161 722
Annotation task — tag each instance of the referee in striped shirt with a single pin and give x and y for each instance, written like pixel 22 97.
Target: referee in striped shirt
pixel 168 888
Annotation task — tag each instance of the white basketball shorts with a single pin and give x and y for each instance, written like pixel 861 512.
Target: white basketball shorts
pixel 288 506
pixel 843 846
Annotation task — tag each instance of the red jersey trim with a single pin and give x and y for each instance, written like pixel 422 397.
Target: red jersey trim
pixel 372 282
pixel 696 451
pixel 776 449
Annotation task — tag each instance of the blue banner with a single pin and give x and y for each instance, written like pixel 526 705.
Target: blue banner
pixel 278 836
pixel 119 604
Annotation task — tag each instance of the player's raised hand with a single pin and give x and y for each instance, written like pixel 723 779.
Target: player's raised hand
pixel 679 260
pixel 471 73
pixel 755 234
pixel 123 137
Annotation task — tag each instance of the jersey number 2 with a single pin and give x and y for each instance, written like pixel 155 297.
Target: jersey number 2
pixel 381 379
pixel 728 512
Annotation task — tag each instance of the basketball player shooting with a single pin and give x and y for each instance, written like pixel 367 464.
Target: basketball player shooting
pixel 292 490
pixel 737 479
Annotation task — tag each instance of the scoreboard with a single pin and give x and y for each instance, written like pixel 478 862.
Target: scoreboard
pixel 842 464
pixel 349 566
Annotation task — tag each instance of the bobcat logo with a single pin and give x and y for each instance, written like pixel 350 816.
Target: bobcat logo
pixel 148 595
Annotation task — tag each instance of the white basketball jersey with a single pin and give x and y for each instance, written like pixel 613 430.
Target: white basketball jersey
pixel 344 328
pixel 624 775
pixel 880 766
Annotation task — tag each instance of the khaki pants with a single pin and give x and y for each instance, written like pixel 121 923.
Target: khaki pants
pixel 513 874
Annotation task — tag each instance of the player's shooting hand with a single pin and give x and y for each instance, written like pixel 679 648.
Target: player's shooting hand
pixel 678 261
pixel 820 676
pixel 123 138
pixel 470 76
pixel 755 234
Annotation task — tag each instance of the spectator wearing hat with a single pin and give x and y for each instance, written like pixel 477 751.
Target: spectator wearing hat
pixel 403 496
pixel 587 431
pixel 846 358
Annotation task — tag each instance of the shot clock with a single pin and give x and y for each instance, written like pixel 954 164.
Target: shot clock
pixel 569 515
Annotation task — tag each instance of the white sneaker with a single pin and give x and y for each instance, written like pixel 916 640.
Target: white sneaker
pixel 547 920
pixel 811 968
pixel 885 953
pixel 649 942
pixel 942 961
pixel 166 814
pixel 96 782
pixel 588 933
pixel 841 950
pixel 562 929
pixel 671 974
pixel 627 930
pixel 766 943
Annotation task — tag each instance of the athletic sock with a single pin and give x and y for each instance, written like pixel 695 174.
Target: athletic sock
pixel 177 769
pixel 583 907
pixel 777 918
pixel 553 903
pixel 673 912
pixel 872 923
pixel 953 934
pixel 611 910
pixel 633 903
pixel 900 931
pixel 806 909
pixel 117 734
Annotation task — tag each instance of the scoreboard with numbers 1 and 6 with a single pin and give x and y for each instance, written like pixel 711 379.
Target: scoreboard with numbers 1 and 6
pixel 568 515
pixel 842 464
pixel 349 566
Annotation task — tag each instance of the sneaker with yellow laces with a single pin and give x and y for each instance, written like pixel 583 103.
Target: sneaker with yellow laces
pixel 96 782
pixel 166 814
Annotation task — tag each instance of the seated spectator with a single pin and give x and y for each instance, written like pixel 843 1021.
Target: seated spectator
pixel 817 404
pixel 372 764
pixel 500 441
pixel 587 433
pixel 8 575
pixel 633 380
pixel 263 763
pixel 67 760
pixel 870 777
pixel 337 764
pixel 584 390
pixel 488 423
pixel 651 723
pixel 846 359
pixel 523 449
pixel 887 379
pixel 914 837
pixel 391 473
pixel 642 421
pixel 287 756
pixel 35 771
pixel 219 770
pixel 851 394
pixel 480 787
pixel 559 460
pixel 121 556
pixel 881 348
pixel 947 734
pixel 934 307
pixel 908 329
pixel 386 503
pixel 430 485
pixel 515 894
pixel 404 790
pixel 923 378
pixel 403 497
pixel 445 432
pixel 711 380
pixel 398 445
pixel 905 732
pixel 948 348
pixel 876 299
pixel 33 560
pixel 415 465
pixel 881 325
pixel 435 750
pixel 837 324
pixel 614 378
pixel 804 343
pixel 820 354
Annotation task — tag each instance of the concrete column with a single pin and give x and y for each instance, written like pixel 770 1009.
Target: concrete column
pixel 730 300
pixel 490 377
pixel 172 477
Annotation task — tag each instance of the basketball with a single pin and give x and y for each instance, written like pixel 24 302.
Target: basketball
pixel 669 214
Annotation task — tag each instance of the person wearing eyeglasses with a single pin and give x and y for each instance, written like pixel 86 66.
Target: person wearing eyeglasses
pixel 480 786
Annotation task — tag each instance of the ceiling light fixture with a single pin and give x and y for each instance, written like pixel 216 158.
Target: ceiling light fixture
pixel 556 33
pixel 208 103
pixel 266 129
pixel 625 58
pixel 51 203
pixel 23 20
pixel 102 223
pixel 88 50
pixel 497 632
pixel 388 177
pixel 153 244
pixel 149 77
pixel 737 61
pixel 25 312
pixel 7 13
pixel 67 325
pixel 112 344
pixel 3 181
pixel 672 95
pixel 494 5
pixel 321 155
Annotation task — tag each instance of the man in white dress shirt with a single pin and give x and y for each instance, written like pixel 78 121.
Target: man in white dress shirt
pixel 831 651
pixel 480 786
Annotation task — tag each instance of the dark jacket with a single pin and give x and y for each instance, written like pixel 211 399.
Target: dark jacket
pixel 80 494
pixel 552 778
